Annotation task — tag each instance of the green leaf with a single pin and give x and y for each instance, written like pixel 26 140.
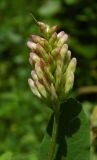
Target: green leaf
pixel 87 51
pixel 71 2
pixel 6 156
pixel 50 8
pixel 73 134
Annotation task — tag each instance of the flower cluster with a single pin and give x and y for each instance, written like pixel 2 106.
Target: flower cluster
pixel 52 67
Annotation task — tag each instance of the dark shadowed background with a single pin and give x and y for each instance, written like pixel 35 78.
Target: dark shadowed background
pixel 22 117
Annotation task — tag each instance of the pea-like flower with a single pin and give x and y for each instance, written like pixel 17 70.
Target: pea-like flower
pixel 52 74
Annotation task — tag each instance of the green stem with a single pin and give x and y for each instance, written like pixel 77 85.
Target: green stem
pixel 54 137
pixel 93 155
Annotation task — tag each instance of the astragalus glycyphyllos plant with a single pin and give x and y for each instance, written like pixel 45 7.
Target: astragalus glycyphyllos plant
pixel 52 79
pixel 53 69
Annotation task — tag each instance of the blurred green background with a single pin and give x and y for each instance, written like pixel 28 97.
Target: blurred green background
pixel 23 118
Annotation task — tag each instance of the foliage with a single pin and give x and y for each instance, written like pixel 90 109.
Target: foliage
pixel 22 117
pixel 73 130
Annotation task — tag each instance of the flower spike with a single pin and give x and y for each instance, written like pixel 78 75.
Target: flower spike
pixel 53 68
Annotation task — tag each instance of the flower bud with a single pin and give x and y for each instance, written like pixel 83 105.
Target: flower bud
pixel 55 52
pixel 36 39
pixel 35 58
pixel 53 38
pixel 42 79
pixel 31 61
pixel 62 40
pixel 31 45
pixel 41 89
pixel 53 29
pixel 69 82
pixel 49 74
pixel 63 51
pixel 72 65
pixel 43 42
pixel 34 75
pixel 46 83
pixel 68 55
pixel 67 60
pixel 60 34
pixel 46 45
pixel 43 27
pixel 33 88
pixel 42 63
pixel 53 92
pixel 58 77
pixel 38 70
pixel 41 51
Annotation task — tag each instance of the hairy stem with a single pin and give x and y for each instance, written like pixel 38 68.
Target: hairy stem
pixel 54 137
